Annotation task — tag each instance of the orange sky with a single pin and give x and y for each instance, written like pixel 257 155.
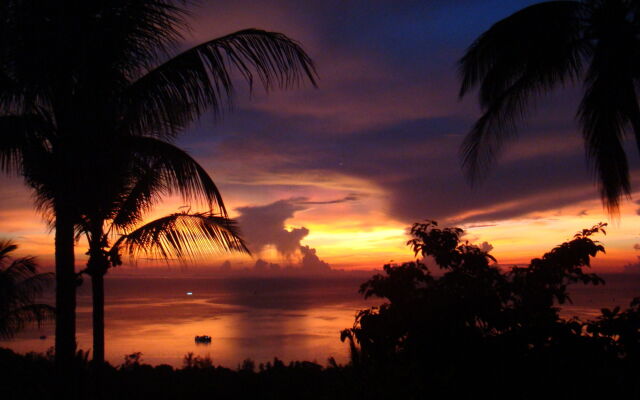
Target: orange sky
pixel 384 128
pixel 360 235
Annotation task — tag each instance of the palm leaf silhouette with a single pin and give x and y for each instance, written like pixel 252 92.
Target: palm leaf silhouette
pixel 552 45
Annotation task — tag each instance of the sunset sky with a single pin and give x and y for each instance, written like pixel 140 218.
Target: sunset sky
pixel 347 167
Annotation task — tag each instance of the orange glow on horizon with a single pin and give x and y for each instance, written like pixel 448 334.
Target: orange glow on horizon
pixel 359 235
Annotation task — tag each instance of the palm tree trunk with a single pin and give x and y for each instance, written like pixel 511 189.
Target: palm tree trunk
pixel 65 346
pixel 97 289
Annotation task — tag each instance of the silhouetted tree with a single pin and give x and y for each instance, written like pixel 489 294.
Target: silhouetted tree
pixel 74 72
pixel 476 316
pixel 424 312
pixel 129 180
pixel 620 330
pixel 179 235
pixel 20 284
pixel 550 45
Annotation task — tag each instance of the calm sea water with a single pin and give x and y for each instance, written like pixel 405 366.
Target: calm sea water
pixel 292 319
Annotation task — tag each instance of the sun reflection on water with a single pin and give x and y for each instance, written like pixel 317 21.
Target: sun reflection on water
pixel 292 319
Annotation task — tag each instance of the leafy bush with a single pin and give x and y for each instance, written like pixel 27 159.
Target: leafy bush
pixel 478 321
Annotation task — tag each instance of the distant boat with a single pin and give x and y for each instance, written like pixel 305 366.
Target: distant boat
pixel 203 339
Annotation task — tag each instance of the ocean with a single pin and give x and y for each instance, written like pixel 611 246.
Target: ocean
pixel 257 318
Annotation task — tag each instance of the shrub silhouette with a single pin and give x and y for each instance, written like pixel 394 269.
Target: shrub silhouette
pixel 478 322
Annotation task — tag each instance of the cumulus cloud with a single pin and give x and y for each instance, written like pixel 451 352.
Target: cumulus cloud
pixel 265 225
pixel 308 264
pixel 311 262
pixel 261 266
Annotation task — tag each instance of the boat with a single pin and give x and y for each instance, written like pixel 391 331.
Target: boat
pixel 203 339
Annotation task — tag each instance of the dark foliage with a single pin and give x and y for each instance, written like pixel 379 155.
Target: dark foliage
pixel 479 328
pixel 199 378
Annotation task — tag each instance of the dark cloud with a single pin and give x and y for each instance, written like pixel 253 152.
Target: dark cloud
pixel 387 113
pixel 415 162
pixel 351 197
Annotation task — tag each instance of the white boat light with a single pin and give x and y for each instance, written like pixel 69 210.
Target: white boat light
pixel 189 293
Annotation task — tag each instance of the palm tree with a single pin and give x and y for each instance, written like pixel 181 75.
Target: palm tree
pixel 180 235
pixel 74 72
pixel 142 175
pixel 554 44
pixel 20 284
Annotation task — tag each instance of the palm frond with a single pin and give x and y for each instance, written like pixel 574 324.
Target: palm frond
pixel 13 320
pixel 608 109
pixel 112 39
pixel 140 198
pixel 482 145
pixel 20 284
pixel 21 268
pixel 25 144
pixel 169 97
pixel 517 59
pixel 177 170
pixel 7 246
pixel 138 32
pixel 546 33
pixel 20 134
pixel 20 281
pixel 183 236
